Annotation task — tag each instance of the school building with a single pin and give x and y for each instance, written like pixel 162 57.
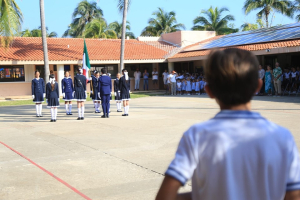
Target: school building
pixel 182 51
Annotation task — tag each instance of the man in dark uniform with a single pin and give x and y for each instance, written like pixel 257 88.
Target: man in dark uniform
pixel 105 88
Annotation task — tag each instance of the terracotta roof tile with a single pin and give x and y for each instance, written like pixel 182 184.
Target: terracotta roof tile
pixel 64 49
pixel 250 47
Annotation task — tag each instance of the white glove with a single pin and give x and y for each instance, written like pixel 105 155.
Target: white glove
pixel 44 95
pixel 85 94
pixel 129 91
pixel 58 99
pixel 64 95
pixel 91 92
pixel 73 94
pixel 99 95
pixel 33 96
pixel 119 91
pixel 115 94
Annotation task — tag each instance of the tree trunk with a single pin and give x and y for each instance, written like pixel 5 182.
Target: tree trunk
pixel 44 38
pixel 267 18
pixel 123 35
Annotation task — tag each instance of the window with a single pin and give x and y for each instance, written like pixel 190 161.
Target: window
pixel 112 69
pixel 12 73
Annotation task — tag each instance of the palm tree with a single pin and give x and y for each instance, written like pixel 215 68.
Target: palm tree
pixel 123 7
pixel 214 21
pixel 118 27
pixel 84 13
pixel 295 8
pixel 165 22
pixel 37 33
pixel 98 28
pixel 44 39
pixel 265 7
pixel 248 26
pixel 11 19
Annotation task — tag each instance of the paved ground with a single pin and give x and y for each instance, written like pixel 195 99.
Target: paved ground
pixel 111 159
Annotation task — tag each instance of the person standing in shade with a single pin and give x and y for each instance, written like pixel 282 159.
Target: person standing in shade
pixel 261 75
pixel 67 92
pixel 277 72
pixel 137 77
pixel 165 79
pixel 155 78
pixel 79 93
pixel 118 93
pixel 125 91
pixel 38 93
pixel 52 96
pixel 172 79
pixel 146 77
pixel 105 88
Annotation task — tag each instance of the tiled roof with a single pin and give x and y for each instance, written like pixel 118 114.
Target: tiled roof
pixel 188 52
pixel 65 49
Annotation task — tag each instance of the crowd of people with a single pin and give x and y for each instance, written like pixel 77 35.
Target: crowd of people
pixel 278 81
pixel 101 93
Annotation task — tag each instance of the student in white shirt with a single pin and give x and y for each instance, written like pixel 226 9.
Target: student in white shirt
pixel 137 77
pixel 238 154
pixel 172 79
pixel 155 78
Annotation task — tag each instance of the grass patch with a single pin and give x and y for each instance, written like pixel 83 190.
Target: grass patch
pixel 29 102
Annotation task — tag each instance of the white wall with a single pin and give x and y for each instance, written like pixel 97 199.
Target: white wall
pixel 29 72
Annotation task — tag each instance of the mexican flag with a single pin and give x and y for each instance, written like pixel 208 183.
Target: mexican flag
pixel 86 66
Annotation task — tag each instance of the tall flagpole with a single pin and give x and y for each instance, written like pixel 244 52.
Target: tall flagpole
pixel 123 35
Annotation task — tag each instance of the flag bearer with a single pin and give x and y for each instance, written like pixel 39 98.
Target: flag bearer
pixel 38 93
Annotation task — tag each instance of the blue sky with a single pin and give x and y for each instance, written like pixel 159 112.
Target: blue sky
pixel 59 12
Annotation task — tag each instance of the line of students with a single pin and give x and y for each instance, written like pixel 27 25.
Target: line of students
pixel 100 91
pixel 190 87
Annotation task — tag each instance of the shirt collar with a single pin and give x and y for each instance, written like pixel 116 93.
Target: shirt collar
pixel 238 114
pixel 104 74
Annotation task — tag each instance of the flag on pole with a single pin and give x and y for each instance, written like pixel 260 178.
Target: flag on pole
pixel 86 66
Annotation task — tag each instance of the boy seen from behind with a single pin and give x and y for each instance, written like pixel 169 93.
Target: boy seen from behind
pixel 238 154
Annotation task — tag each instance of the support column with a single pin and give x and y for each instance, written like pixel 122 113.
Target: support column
pixel 29 72
pixel 60 76
pixel 170 66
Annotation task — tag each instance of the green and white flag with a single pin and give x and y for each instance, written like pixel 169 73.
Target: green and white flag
pixel 86 66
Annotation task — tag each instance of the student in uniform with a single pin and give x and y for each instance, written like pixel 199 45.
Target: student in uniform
pixel 193 86
pixel 105 88
pixel 94 91
pixel 188 86
pixel 79 93
pixel 294 75
pixel 125 91
pixel 238 154
pixel 197 90
pixel 52 96
pixel 178 86
pixel 183 86
pixel 118 93
pixel 67 92
pixel 38 93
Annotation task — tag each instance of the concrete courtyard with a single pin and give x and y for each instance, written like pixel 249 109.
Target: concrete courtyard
pixel 118 158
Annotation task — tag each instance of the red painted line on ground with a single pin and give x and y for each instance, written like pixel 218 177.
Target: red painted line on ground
pixel 60 180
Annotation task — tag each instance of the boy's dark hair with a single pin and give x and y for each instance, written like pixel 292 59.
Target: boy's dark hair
pixel 103 71
pixel 232 75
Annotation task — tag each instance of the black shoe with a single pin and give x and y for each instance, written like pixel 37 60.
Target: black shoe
pixel 79 118
pixel 54 120
pixel 119 111
pixel 127 115
pixel 124 115
pixel 70 114
pixel 103 116
pixel 51 120
pixel 107 115
pixel 96 111
pixel 67 113
pixel 82 118
pixel 41 115
pixel 37 116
